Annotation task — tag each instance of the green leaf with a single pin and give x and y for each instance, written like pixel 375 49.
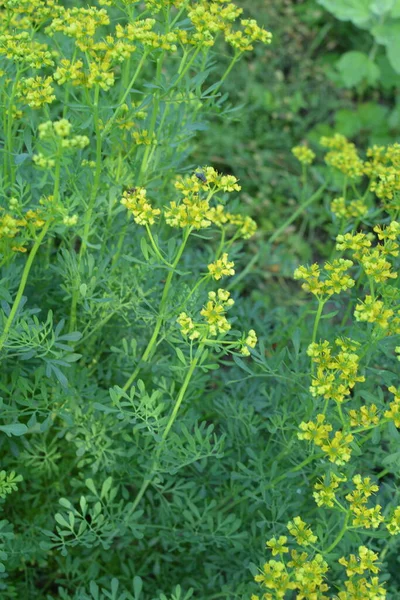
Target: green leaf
pixel 105 488
pixel 357 11
pixel 16 429
pixel 356 67
pixel 381 7
pixel 388 34
pixel 137 586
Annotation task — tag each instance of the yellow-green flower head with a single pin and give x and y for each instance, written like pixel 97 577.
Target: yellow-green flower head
pixel 136 202
pixel 303 154
pixel 68 71
pixel 366 561
pixel 70 220
pixel 338 448
pixel 36 91
pixel 277 546
pixel 62 128
pixel 221 267
pixel 393 414
pixel 317 432
pixel 41 161
pixel 250 341
pixel 246 226
pixel 188 327
pixel 21 48
pixel 301 532
pixel 343 156
pixel 214 312
pixel 325 491
pixel 353 241
pixel 393 524
pixel 336 281
pixel 365 416
pixel 348 210
pixel 373 311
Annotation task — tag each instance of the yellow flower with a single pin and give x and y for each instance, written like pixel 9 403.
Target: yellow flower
pixel 304 154
pixel 338 448
pixel 137 203
pixel 187 326
pixel 249 342
pixel 317 432
pixel 278 545
pixel 325 491
pixel 301 532
pixel 214 312
pixel 364 417
pixel 221 267
pixel 393 524
pixel 36 91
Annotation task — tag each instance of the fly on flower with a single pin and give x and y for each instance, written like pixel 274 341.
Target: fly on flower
pixel 200 175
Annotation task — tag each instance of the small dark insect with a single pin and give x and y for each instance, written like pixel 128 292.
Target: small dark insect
pixel 201 176
pixel 131 190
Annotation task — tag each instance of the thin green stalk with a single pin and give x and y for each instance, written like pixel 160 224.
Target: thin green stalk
pixel 23 282
pixel 125 95
pixel 155 247
pixel 339 535
pixel 149 477
pixel 91 204
pixel 153 122
pixel 160 318
pixel 321 304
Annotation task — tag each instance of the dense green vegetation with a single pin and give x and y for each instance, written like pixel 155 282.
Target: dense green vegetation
pixel 199 318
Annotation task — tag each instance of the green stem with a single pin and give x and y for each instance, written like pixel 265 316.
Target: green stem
pixel 125 95
pixel 23 282
pixel 161 316
pixel 91 204
pixel 339 535
pixel 149 477
pixel 155 247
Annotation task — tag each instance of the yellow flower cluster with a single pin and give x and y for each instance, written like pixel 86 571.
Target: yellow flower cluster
pixel 250 341
pixel 336 374
pixel 15 230
pixel 62 129
pixel 393 524
pixel 214 312
pixel 187 326
pixel 36 91
pixel 336 279
pixel 214 315
pixel 358 587
pixel 303 154
pixel 383 170
pixel 194 210
pixel 243 40
pixel 325 491
pixel 362 516
pixel 301 572
pixel 22 49
pixel 301 532
pixel 80 24
pixel 343 156
pixel 354 209
pixel 221 267
pixel 136 202
pixel 366 416
pixel 373 311
pixel 141 32
pixel 337 448
pixel 393 414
